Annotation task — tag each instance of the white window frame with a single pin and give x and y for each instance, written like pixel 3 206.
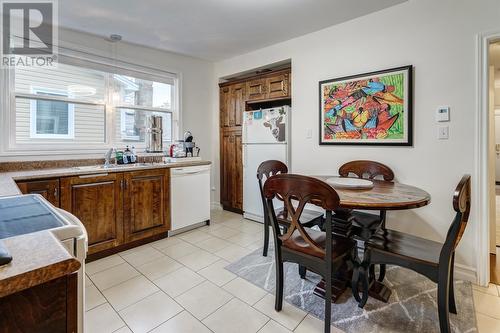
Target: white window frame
pixel 133 138
pixel 34 110
pixel 83 58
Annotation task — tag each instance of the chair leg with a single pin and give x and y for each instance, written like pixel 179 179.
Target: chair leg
pixel 266 237
pixel 302 271
pixel 453 307
pixel 279 283
pixel 443 302
pixel 328 301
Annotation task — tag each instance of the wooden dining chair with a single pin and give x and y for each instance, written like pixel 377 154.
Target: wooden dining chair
pixel 432 259
pixel 318 251
pixel 366 224
pixel 309 217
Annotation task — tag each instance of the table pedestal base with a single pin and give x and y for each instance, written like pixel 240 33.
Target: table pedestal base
pixel 377 290
pixel 338 288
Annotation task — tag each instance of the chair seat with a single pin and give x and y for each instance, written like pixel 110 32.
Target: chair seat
pixel 340 245
pixel 405 245
pixel 308 218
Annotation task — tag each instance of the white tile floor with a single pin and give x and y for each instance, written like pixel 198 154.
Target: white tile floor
pixel 179 285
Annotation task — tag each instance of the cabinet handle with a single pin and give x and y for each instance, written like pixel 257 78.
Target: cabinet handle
pixel 56 192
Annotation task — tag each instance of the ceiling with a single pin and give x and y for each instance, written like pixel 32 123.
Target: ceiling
pixel 210 29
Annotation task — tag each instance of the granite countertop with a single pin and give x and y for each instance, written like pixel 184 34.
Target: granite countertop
pixel 37 258
pixel 8 179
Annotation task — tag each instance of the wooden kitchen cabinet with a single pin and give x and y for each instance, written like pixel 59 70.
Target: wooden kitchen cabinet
pixel 277 86
pixel 256 89
pixel 48 188
pixel 225 106
pixel 238 99
pixel 231 171
pixel 119 210
pixel 97 200
pixel 146 203
pixel 232 105
pixel 269 87
pixel 264 90
pixel 48 307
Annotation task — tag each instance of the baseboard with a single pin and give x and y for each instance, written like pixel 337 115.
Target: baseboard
pixel 466 273
pixel 214 205
pixel 253 217
pixel 188 228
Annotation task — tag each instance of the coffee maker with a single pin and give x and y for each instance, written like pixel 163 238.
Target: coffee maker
pixel 185 148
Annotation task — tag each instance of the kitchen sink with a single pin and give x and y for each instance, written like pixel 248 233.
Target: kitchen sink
pixel 111 167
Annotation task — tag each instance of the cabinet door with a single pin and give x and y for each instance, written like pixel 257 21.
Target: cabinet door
pixel 256 89
pixel 238 172
pixel 48 188
pixel 98 202
pixel 278 86
pixel 146 203
pixel 227 144
pixel 225 106
pixel 238 98
pixel 231 171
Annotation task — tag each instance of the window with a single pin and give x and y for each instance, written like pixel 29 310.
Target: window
pixel 60 106
pixel 84 105
pixel 50 118
pixel 136 100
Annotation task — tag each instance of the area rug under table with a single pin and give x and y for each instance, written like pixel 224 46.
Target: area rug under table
pixel 412 306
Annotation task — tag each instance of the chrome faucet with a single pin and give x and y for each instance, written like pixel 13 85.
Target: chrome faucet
pixel 107 158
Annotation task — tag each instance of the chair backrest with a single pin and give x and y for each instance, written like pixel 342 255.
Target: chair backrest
pixel 270 168
pixel 368 169
pixel 303 190
pixel 461 205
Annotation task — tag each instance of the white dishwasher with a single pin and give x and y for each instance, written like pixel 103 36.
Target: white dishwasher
pixel 190 196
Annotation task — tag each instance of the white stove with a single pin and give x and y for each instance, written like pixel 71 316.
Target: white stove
pixel 30 213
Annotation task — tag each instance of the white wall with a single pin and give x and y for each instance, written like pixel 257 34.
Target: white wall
pixel 439 39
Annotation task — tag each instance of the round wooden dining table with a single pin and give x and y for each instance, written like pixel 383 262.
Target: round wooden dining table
pixel 384 195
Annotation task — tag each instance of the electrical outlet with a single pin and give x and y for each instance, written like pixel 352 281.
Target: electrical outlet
pixel 443 133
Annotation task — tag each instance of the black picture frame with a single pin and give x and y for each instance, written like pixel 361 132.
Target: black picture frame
pixel 380 142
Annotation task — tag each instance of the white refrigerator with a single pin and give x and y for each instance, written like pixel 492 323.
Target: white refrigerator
pixel 266 134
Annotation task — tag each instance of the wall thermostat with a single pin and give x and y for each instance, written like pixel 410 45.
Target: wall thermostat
pixel 443 114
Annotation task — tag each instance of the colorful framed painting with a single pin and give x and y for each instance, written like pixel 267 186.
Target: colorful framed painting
pixel 367 109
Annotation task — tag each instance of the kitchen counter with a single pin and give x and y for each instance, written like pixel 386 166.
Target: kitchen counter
pixel 37 258
pixel 40 257
pixel 8 180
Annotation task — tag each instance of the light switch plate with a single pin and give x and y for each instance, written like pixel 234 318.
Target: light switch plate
pixel 309 133
pixel 443 133
pixel 443 114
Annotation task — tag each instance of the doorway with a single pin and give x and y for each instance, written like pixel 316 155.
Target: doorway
pixel 494 153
